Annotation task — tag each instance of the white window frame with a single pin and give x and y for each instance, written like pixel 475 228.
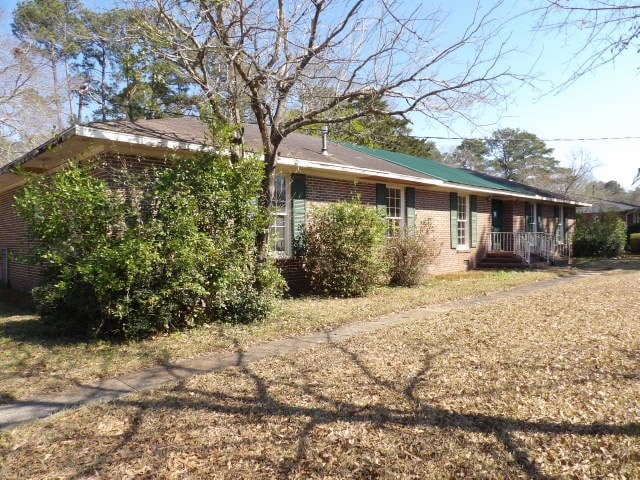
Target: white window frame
pixel 534 217
pixel 560 226
pixel 467 224
pixel 402 218
pixel 286 214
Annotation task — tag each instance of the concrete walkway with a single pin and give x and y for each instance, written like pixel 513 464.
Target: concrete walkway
pixel 23 411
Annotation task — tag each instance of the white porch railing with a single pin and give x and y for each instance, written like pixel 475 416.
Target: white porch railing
pixel 527 244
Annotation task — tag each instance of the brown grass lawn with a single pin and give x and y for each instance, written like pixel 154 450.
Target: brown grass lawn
pixel 546 386
pixel 32 360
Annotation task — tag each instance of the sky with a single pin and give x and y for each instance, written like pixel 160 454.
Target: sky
pixel 602 104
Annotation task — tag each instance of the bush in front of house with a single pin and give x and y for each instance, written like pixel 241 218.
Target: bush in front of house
pixel 157 253
pixel 409 253
pixel 344 244
pixel 603 235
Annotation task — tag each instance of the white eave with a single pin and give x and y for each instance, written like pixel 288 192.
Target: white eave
pixel 366 172
pixel 133 139
pixel 105 135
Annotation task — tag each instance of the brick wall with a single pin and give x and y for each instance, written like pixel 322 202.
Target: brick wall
pixel 429 205
pixel 518 216
pixel 321 191
pixel 14 238
pixel 435 206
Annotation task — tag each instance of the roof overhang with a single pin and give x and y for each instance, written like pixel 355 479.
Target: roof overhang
pixel 81 142
pixel 298 164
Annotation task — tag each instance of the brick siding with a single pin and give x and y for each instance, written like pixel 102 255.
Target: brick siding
pixel 14 238
pixel 430 205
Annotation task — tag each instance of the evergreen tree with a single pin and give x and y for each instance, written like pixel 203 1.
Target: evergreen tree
pixel 518 155
pixel 377 130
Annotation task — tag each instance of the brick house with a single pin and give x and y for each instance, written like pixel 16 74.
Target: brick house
pixel 476 217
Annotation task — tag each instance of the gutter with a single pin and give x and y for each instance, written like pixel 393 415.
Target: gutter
pixel 52 142
pixel 324 166
pixel 154 142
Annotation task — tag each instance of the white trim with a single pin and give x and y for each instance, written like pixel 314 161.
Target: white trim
pixel 402 218
pixel 135 139
pixel 324 166
pixel 100 134
pixel 465 247
pixel 313 165
pixel 287 239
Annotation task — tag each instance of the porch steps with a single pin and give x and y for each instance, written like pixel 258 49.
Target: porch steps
pixel 501 260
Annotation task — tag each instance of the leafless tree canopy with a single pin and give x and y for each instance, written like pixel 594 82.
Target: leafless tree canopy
pixel 296 62
pixel 25 103
pixel 610 28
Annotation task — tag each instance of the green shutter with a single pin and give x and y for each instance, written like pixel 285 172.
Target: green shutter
pixel 410 207
pixel 453 207
pixel 298 210
pixel 474 220
pixel 381 198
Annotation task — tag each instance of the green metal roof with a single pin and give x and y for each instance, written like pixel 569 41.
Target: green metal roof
pixel 438 170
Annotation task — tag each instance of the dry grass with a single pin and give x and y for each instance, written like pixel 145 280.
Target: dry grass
pixel 32 360
pixel 545 386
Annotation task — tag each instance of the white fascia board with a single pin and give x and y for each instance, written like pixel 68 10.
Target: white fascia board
pixel 507 193
pixel 313 165
pixel 110 135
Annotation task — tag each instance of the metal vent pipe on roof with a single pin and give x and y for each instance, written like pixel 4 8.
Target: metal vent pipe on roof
pixel 324 130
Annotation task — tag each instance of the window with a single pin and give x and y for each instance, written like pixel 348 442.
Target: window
pixel 529 217
pixel 463 221
pixel 279 228
pixel 560 224
pixel 394 211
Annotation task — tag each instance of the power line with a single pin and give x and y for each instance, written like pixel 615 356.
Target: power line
pixel 577 139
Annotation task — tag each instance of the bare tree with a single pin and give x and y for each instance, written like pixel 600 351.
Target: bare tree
pixel 296 63
pixel 25 103
pixel 578 174
pixel 610 27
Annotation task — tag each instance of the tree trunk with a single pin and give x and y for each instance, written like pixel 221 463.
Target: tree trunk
pixel 56 94
pixel 262 237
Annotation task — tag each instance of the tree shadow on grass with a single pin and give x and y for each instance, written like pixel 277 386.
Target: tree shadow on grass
pixel 261 405
pixel 629 262
pixel 33 330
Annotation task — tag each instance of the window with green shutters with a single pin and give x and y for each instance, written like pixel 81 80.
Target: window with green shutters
pixel 529 218
pixel 397 204
pixel 464 220
pixel 279 230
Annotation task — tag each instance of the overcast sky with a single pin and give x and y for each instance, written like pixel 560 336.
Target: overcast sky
pixel 605 103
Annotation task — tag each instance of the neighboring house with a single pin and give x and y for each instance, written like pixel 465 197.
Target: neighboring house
pixel 629 212
pixel 473 215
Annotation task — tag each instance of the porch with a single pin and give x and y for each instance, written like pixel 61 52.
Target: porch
pixel 525 249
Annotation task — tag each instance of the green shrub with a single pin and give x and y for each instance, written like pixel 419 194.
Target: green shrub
pixel 631 229
pixel 159 252
pixel 603 235
pixel 634 242
pixel 344 243
pixel 409 253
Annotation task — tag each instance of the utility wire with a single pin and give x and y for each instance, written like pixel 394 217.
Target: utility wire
pixel 584 139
